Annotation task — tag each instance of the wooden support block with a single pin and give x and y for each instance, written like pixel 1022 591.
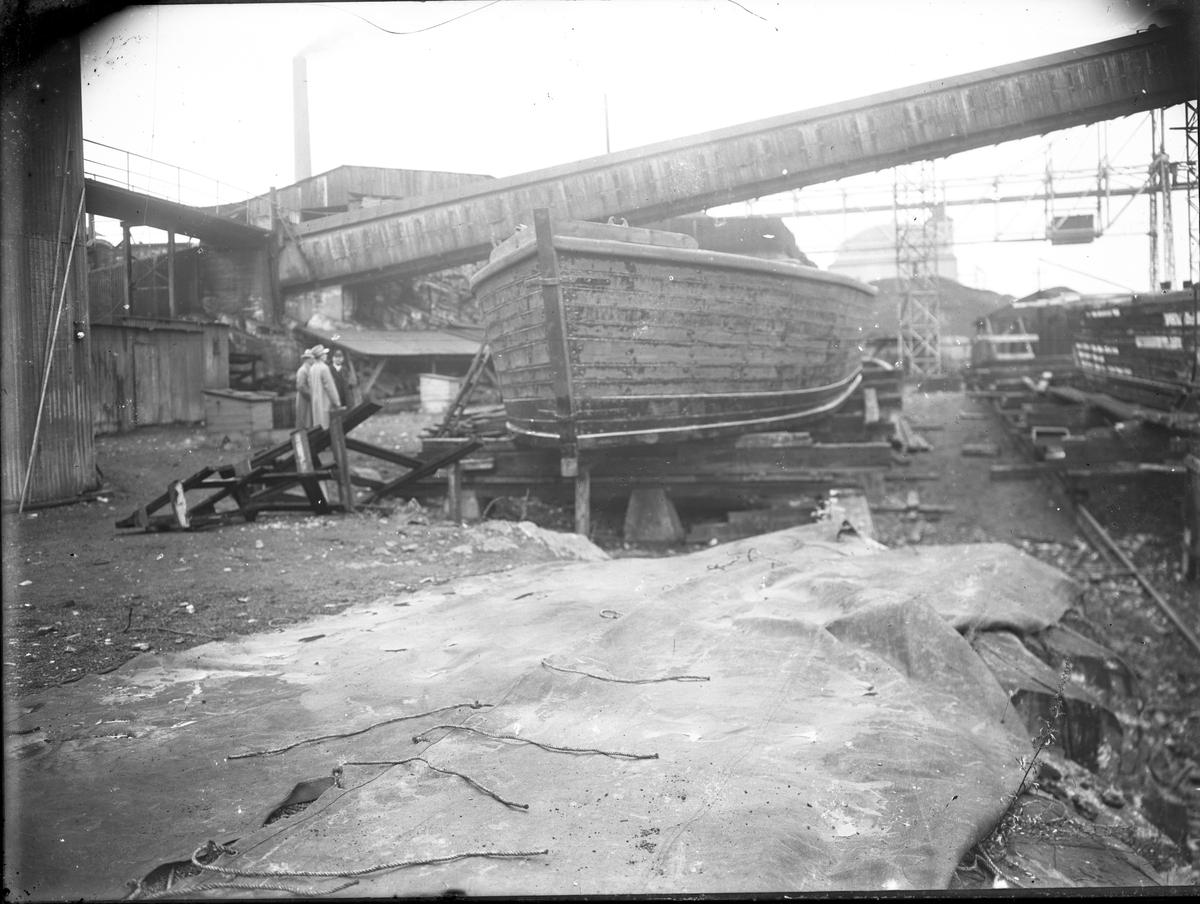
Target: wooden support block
pixel 924 509
pixel 775 440
pixel 870 406
pixel 852 506
pixel 583 502
pixel 1022 471
pixel 651 518
pixel 981 450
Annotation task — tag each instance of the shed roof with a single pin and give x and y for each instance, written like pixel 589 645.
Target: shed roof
pixel 397 343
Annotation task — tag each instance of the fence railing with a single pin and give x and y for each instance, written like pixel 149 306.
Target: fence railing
pixel 139 173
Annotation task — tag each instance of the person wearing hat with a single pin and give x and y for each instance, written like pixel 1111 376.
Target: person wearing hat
pixel 303 395
pixel 322 388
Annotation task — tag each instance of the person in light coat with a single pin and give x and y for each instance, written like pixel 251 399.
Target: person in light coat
pixel 303 395
pixel 322 387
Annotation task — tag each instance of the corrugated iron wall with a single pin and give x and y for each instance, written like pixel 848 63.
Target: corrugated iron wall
pixel 41 184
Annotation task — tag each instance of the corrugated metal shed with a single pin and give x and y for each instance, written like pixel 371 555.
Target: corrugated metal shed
pixel 41 188
pixel 391 361
pixel 396 343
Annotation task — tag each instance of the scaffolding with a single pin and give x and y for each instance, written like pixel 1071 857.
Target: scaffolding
pixel 1160 183
pixel 1081 204
pixel 1192 163
pixel 917 210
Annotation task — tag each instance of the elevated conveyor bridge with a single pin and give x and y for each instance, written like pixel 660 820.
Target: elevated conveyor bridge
pixel 1129 75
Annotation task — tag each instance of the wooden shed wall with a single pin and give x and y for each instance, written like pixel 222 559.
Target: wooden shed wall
pixel 155 375
pixel 41 184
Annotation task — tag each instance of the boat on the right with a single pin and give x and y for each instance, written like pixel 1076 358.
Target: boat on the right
pixel 1143 349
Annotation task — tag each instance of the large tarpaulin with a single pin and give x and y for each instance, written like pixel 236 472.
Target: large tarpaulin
pixel 787 712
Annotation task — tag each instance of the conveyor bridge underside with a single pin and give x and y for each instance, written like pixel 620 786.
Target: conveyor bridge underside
pixel 1102 81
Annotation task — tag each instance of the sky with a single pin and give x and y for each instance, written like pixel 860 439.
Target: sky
pixel 507 86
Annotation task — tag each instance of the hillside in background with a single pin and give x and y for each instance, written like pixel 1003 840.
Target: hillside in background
pixel 959 306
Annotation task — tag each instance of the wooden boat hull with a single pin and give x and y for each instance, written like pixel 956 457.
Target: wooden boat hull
pixel 607 335
pixel 1144 351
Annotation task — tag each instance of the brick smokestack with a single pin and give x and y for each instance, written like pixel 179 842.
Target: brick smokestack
pixel 300 118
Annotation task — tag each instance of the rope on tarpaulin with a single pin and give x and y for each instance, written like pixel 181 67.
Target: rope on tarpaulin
pixel 419 759
pixel 192 891
pixel 347 874
pixel 358 731
pixel 417 739
pixel 627 680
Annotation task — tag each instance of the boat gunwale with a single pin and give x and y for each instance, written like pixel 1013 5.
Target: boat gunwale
pixel 714 396
pixel 692 257
pixel 589 440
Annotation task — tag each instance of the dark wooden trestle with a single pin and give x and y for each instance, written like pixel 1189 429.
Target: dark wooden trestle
pixel 262 483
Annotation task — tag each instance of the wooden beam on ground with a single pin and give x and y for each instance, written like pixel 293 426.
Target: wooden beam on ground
pixel 1176 421
pixel 424 471
pixel 1113 470
pixel 159 501
pixel 396 458
pixel 1093 525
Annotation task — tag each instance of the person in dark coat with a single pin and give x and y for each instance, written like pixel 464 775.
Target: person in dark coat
pixel 343 378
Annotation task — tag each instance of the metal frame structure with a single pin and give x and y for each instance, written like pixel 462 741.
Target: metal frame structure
pixel 1162 234
pixel 916 208
pixel 1192 163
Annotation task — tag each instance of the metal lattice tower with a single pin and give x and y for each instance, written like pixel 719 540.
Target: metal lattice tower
pixel 916 215
pixel 1192 139
pixel 1162 237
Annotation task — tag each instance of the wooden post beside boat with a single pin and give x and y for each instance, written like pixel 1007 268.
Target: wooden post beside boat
pixel 556 326
pixel 337 442
pixel 583 502
pixel 560 366
pixel 1191 512
pixel 304 464
pixel 454 491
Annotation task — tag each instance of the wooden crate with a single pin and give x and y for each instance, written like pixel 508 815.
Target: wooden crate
pixel 231 411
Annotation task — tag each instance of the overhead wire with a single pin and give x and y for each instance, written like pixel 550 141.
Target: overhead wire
pixel 416 31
